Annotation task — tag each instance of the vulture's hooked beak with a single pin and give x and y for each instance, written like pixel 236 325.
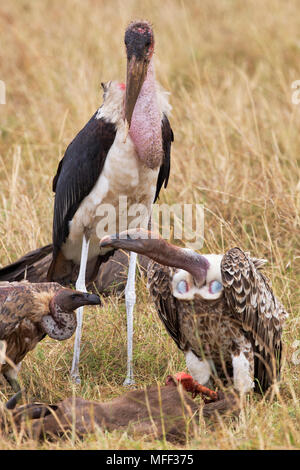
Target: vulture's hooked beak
pixel 69 300
pixel 83 298
pixel 136 74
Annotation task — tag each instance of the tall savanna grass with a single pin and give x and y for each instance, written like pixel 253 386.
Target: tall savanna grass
pixel 229 66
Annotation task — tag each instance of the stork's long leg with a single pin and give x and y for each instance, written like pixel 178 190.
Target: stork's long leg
pixel 130 298
pixel 80 285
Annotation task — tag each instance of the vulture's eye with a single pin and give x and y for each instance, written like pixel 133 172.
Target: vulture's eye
pixel 182 287
pixel 215 286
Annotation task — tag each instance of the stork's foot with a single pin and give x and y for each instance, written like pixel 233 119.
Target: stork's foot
pixel 129 378
pixel 75 377
pixel 192 386
pixel 129 381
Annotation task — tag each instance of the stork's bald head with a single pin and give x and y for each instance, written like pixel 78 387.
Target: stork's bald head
pixel 139 42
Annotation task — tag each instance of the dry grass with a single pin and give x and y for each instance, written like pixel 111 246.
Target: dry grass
pixel 229 66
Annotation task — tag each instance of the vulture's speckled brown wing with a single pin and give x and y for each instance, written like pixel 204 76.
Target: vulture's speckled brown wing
pixel 250 297
pixel 166 304
pixel 16 303
pixel 12 299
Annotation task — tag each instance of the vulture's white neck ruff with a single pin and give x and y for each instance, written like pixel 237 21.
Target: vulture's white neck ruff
pixel 213 274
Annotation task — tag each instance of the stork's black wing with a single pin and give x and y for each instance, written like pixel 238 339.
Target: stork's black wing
pixel 78 172
pixel 164 172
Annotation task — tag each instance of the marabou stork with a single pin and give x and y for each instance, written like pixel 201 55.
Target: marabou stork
pixel 219 309
pixel 29 312
pixel 123 151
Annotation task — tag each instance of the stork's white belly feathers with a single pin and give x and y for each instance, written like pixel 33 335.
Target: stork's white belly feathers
pixel 123 176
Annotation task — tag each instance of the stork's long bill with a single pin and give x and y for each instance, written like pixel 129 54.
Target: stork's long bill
pixel 143 115
pixel 139 43
pixel 146 243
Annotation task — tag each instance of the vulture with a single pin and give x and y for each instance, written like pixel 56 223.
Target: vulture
pixel 218 308
pixel 29 312
pixel 116 165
